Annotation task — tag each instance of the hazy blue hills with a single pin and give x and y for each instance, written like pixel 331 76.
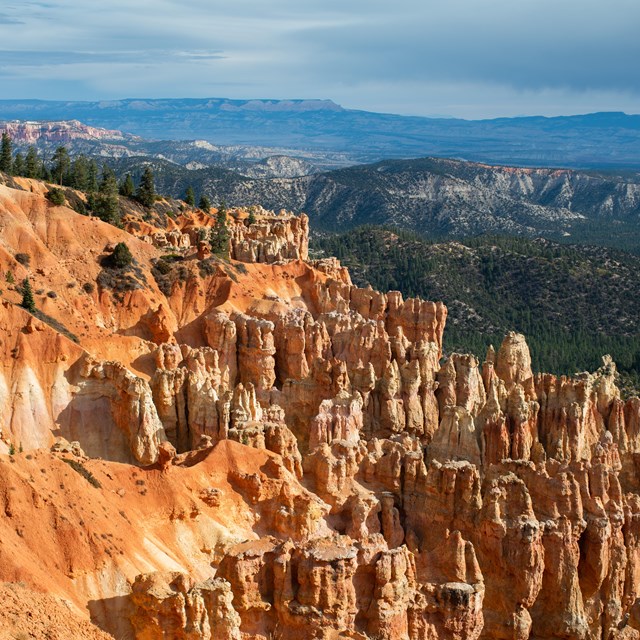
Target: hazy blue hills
pixel 583 141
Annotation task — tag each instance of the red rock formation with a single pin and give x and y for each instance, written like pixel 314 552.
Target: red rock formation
pixel 271 238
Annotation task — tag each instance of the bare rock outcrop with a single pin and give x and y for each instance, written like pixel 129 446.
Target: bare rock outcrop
pixel 130 419
pixel 272 238
pixel 173 605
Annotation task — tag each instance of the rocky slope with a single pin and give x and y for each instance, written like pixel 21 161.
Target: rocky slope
pixel 59 133
pixel 256 448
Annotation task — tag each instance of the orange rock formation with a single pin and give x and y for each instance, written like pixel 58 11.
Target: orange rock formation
pixel 254 448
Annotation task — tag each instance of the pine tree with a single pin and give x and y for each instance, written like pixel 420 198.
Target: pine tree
pixel 190 197
pixel 92 178
pixel 252 216
pixel 205 203
pixel 219 237
pixel 55 196
pixel 127 188
pixel 32 165
pixel 80 173
pixel 18 165
pixel 61 165
pixel 28 302
pixel 6 160
pixel 121 256
pixel 108 184
pixel 146 193
pixel 106 204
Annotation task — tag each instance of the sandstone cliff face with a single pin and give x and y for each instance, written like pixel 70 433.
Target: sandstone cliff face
pixel 302 462
pixel 61 132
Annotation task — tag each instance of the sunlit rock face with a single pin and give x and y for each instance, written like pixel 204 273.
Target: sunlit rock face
pixel 256 448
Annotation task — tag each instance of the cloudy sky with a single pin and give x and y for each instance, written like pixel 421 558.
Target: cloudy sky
pixel 465 58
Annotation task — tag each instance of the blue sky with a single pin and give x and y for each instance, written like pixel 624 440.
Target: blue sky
pixel 464 58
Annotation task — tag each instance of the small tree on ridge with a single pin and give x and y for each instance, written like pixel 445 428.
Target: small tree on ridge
pixel 28 301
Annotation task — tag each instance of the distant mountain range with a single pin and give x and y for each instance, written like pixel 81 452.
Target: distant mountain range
pixel 254 161
pixel 323 127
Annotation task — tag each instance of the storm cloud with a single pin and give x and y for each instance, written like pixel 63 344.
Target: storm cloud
pixel 467 58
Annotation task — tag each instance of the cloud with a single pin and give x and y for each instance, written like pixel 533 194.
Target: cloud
pixel 523 45
pixel 7 19
pixel 415 56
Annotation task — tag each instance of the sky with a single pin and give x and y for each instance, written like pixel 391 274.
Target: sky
pixel 459 58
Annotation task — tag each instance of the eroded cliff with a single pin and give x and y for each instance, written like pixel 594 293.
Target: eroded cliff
pixel 261 449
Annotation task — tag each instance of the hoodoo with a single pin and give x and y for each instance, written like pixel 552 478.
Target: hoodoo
pixel 247 445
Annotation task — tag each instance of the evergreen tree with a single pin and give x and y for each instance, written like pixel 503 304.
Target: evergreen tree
pixel 108 183
pixel 32 164
pixel 121 256
pixel 219 236
pixel 105 204
pixel 127 188
pixel 6 160
pixel 146 193
pixel 61 165
pixel 205 203
pixel 56 196
pixel 252 216
pixel 28 302
pixel 80 173
pixel 190 197
pixel 92 177
pixel 18 165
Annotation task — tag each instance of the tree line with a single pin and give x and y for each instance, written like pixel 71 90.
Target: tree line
pixel 84 174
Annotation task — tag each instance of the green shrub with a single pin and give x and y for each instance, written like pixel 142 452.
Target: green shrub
pixel 56 196
pixel 121 256
pixel 163 267
pixel 83 471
